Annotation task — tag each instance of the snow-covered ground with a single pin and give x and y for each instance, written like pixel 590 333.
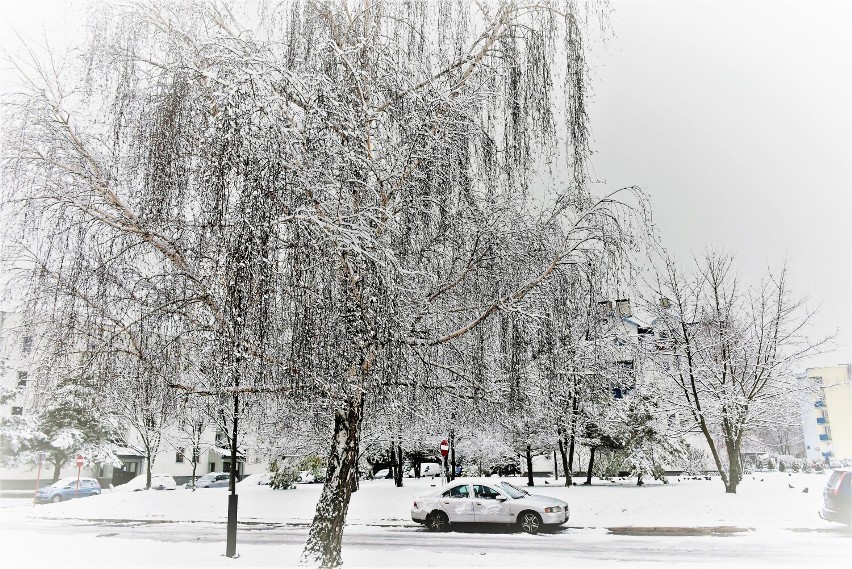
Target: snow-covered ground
pixel 763 500
pixel 765 503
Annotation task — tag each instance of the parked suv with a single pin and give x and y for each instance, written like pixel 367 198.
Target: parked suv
pixel 66 489
pixel 837 497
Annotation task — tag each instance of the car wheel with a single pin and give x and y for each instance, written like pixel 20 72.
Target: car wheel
pixel 437 521
pixel 57 498
pixel 530 522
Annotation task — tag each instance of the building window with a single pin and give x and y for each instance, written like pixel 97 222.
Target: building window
pixel 17 411
pixel 212 467
pixel 22 378
pixel 179 455
pixel 26 344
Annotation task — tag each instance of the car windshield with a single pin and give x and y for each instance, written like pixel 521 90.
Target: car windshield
pixel 207 477
pixel 512 491
pixel 63 482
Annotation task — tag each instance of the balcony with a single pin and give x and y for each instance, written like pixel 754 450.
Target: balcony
pixel 825 437
pixel 822 421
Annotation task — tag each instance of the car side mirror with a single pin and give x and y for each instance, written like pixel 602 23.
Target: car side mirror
pixel 501 498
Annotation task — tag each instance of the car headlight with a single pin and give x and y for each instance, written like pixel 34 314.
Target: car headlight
pixel 553 509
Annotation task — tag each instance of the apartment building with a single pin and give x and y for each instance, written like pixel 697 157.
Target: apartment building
pixel 827 416
pixel 18 360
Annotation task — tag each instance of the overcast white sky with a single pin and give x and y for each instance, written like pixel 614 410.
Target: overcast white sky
pixel 734 116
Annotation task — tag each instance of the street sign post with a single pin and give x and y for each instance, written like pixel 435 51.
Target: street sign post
pixel 41 458
pixel 80 461
pixel 445 450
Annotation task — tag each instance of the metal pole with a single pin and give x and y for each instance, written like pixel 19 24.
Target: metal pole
pixel 452 454
pixel 231 544
pixel 77 490
pixel 38 477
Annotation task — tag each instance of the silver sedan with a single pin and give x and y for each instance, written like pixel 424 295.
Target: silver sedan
pixel 486 500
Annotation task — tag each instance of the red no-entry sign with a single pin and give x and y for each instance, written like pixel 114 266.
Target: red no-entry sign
pixel 445 448
pixel 79 460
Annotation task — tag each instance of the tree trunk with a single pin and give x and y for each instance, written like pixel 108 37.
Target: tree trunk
pixel 399 459
pixel 588 481
pixel 565 468
pixel 147 469
pixel 194 469
pixel 529 467
pixel 417 467
pixel 323 545
pixel 555 466
pixel 392 469
pixel 733 467
pixel 639 480
pixel 570 475
pixel 57 470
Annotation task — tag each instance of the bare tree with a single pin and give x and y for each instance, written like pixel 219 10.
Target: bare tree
pixel 729 351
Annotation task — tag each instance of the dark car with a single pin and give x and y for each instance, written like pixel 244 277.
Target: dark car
pixel 837 497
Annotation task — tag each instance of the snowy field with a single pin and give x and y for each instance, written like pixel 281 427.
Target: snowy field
pixel 766 506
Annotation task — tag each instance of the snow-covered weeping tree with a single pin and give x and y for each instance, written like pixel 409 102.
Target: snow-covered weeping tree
pixel 335 195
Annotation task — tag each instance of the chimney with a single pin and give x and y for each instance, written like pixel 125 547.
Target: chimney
pixel 623 307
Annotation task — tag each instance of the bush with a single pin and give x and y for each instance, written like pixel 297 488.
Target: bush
pixel 313 464
pixel 781 466
pixel 283 475
pixel 819 467
pixel 795 466
pixel 770 464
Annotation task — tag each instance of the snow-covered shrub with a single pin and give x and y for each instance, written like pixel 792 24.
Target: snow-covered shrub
pixel 771 464
pixel 609 463
pixel 694 460
pixel 781 466
pixel 314 464
pixel 283 474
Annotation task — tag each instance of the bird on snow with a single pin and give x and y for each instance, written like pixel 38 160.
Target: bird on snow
pixel 761 479
pixel 805 491
pixel 546 482
pixel 790 485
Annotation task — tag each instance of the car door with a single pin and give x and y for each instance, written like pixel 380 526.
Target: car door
pixel 458 504
pixel 85 488
pixel 490 505
pixel 69 491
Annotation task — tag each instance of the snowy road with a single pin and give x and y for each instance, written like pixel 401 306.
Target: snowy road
pixel 626 545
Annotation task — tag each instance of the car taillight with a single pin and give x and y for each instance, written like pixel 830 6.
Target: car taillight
pixel 839 482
